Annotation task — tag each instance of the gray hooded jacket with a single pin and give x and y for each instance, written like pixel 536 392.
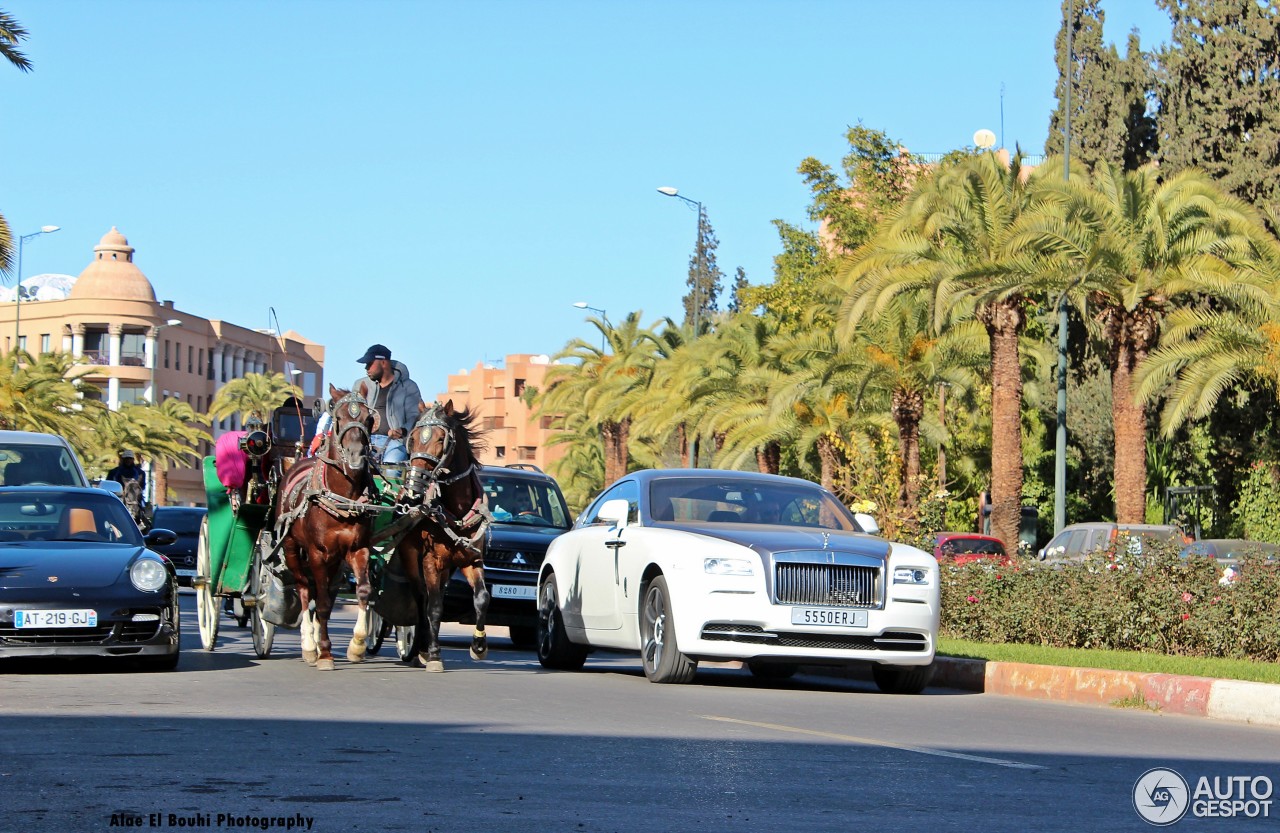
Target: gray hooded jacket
pixel 403 398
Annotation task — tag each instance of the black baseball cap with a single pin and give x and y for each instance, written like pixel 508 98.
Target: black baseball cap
pixel 374 353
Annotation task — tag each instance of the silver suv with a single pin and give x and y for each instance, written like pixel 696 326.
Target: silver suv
pixel 1076 541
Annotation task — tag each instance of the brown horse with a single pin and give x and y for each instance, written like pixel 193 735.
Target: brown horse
pixel 321 516
pixel 443 478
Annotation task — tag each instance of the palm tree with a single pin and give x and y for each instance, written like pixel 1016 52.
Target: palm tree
pixel 1141 248
pixel 254 394
pixel 11 34
pixel 45 394
pixel 166 434
pixel 955 241
pixel 605 386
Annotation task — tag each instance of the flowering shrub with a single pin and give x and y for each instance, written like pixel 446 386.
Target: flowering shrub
pixel 1155 601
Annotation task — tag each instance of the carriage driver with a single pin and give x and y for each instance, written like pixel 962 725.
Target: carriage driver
pixel 394 396
pixel 129 470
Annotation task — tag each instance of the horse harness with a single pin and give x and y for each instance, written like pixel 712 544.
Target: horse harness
pixel 427 484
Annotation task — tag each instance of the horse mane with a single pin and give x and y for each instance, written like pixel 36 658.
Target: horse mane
pixel 463 425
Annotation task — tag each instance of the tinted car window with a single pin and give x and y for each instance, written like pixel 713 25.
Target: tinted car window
pixel 626 490
pixel 51 515
pixel 28 464
pixel 525 500
pixel 181 521
pixel 716 500
pixel 976 546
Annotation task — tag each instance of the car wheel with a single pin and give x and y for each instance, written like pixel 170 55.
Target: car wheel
pixel 404 641
pixel 902 679
pixel 207 607
pixel 554 648
pixel 772 670
pixel 377 634
pixel 663 662
pixel 524 637
pixel 263 632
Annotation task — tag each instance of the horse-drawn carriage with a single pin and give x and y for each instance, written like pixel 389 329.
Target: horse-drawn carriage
pixel 280 527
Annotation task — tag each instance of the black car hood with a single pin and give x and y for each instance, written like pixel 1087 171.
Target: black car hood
pixel 770 540
pixel 41 564
pixel 510 536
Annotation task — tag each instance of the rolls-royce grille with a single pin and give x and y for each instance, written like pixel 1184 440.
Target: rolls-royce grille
pixel 830 585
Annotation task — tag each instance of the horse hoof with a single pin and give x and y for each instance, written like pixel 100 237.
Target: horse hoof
pixel 435 666
pixel 481 654
pixel 355 656
pixel 310 657
pixel 324 664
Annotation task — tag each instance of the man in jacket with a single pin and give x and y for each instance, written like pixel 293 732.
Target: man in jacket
pixel 394 396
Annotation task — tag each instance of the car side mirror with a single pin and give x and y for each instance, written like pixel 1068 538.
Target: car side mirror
pixel 112 486
pixel 160 538
pixel 615 512
pixel 1040 554
pixel 867 523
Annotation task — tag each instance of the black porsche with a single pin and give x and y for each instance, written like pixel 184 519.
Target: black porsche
pixel 77 579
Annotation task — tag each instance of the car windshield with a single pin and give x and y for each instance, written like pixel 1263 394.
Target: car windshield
pixel 53 515
pixel 525 500
pixel 738 501
pixel 975 546
pixel 180 521
pixel 28 465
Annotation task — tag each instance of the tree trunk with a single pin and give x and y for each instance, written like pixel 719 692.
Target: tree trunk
pixel 1004 321
pixel 829 458
pixel 616 437
pixel 769 458
pixel 160 483
pixel 1131 335
pixel 682 441
pixel 907 408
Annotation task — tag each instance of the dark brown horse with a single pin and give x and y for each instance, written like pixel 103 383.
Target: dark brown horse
pixel 443 478
pixel 320 511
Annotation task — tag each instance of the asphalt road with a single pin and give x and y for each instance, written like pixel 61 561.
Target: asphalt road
pixel 230 742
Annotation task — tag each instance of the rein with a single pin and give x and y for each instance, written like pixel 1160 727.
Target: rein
pixel 428 485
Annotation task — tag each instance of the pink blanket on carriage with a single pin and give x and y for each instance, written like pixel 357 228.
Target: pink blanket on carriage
pixel 231 463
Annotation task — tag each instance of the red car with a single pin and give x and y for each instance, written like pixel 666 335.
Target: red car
pixel 964 547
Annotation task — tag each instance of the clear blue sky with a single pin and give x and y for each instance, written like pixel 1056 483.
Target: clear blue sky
pixel 448 178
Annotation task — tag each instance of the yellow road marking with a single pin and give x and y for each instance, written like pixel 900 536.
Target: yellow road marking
pixel 923 750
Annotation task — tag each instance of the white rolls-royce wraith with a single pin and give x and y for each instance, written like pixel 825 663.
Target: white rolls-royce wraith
pixel 684 565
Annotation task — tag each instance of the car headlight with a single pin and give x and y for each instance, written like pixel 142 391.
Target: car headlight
pixel 148 574
pixel 910 575
pixel 728 567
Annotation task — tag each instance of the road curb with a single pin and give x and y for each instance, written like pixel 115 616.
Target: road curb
pixel 1236 700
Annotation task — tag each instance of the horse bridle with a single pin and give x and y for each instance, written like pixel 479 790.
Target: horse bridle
pixel 418 480
pixel 353 401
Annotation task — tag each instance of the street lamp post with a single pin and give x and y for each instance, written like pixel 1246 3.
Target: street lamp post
pixel 603 316
pixel 17 284
pixel 667 190
pixel 151 479
pixel 1060 444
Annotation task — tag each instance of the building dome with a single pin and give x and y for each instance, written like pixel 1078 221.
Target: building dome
pixel 112 273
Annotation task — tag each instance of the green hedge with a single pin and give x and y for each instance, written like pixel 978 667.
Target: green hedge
pixel 1155 602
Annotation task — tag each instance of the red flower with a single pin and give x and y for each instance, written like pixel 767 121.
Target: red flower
pixel 1186 616
pixel 1186 597
pixel 973 599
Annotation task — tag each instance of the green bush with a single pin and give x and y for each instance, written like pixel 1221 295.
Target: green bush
pixel 1155 602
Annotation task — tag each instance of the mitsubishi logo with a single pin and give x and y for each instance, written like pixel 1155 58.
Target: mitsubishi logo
pixel 518 558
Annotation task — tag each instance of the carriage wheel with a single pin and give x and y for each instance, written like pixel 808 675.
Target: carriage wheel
pixel 207 607
pixel 404 642
pixel 377 633
pixel 264 633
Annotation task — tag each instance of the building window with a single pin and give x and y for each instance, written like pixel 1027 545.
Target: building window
pixel 133 394
pixel 499 392
pixel 44 343
pixel 199 362
pixel 22 342
pixel 166 353
pixel 191 365
pixel 519 390
pixel 528 452
pixel 133 349
pixel 500 452
pixel 545 423
pixel 492 423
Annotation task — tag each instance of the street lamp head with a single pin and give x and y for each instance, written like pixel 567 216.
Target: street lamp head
pixel 49 229
pixel 295 372
pixel 668 190
pixel 581 304
pixel 173 322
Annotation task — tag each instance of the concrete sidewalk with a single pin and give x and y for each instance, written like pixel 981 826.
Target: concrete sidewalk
pixel 1244 702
